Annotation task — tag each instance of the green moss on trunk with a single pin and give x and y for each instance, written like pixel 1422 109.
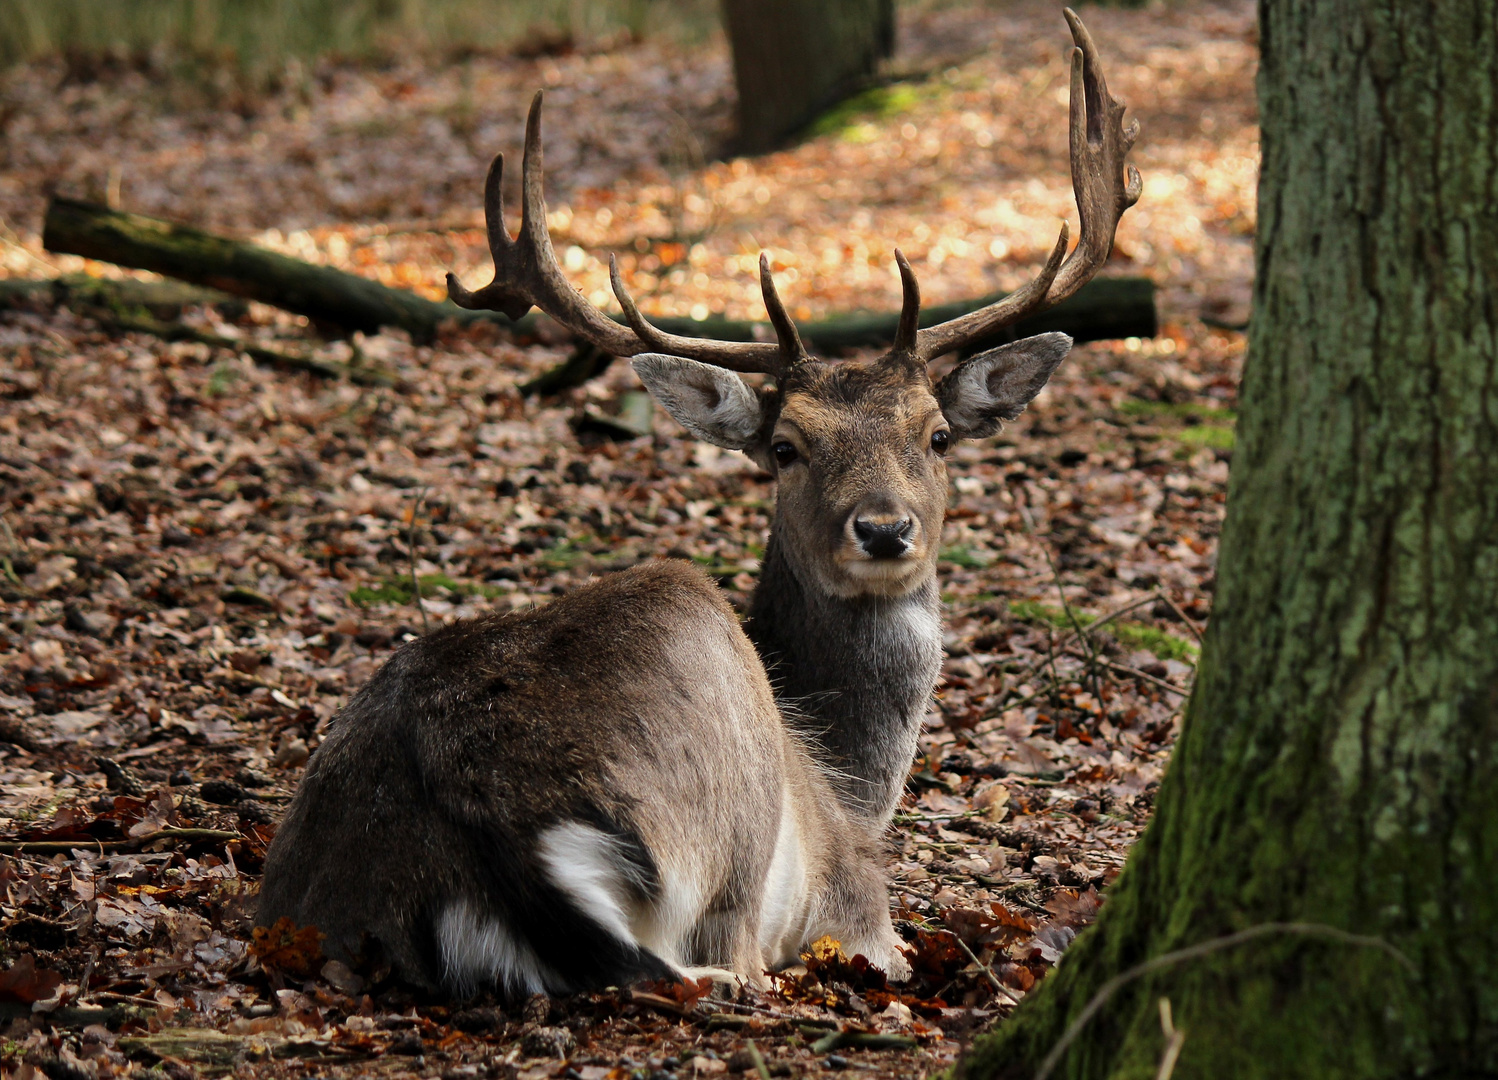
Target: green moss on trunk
pixel 1339 760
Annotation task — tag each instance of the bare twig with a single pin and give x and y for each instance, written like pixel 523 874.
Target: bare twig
pixel 1078 632
pixel 176 331
pixel 1206 948
pixel 10 538
pixel 759 1060
pixel 1195 630
pixel 47 847
pixel 1174 1040
pixel 987 971
pixel 1135 673
pixel 1092 627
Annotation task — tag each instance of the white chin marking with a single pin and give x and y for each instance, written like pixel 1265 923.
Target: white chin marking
pixel 477 951
pixel 883 577
pixel 880 568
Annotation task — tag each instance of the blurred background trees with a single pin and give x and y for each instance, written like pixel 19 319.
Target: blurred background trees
pixel 256 38
pixel 792 58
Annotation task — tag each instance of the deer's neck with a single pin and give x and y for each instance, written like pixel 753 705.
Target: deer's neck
pixel 853 676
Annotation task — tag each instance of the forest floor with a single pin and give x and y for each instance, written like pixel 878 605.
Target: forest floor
pixel 202 559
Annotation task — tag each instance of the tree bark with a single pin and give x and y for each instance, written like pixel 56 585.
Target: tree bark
pixel 794 58
pixel 1338 763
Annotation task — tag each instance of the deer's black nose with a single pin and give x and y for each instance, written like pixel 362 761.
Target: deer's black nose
pixel 883 539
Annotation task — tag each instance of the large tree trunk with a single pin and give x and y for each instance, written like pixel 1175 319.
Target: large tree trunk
pixel 1339 759
pixel 794 58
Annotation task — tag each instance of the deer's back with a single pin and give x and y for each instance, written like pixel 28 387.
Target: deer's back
pixel 472 748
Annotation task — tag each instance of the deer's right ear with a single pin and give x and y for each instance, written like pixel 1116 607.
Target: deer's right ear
pixel 712 403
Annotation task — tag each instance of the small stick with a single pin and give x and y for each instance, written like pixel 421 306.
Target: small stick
pixel 758 1059
pixel 10 537
pixel 40 847
pixel 992 978
pixel 1174 1040
pixel 1182 615
pixel 1137 674
pixel 1092 669
pixel 181 332
pixel 1096 624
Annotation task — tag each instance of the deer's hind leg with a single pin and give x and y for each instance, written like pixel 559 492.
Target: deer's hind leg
pixel 725 940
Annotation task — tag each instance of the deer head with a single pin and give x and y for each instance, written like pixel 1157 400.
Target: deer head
pixel 857 447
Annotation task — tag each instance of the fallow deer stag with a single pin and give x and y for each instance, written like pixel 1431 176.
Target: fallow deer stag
pixel 620 785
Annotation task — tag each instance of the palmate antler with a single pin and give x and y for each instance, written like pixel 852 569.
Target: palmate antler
pixel 526 273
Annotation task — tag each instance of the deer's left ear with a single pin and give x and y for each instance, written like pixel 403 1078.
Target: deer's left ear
pixel 712 403
pixel 995 386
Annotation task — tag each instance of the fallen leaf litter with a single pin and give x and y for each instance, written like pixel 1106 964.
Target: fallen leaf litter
pixel 203 558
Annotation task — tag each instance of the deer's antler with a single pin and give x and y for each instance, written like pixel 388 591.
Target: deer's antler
pixel 526 274
pixel 1105 186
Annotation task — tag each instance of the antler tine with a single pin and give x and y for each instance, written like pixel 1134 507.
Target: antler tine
pixel 785 330
pixel 1104 184
pixel 650 335
pixel 525 268
pixel 910 306
pixel 741 356
pixel 976 325
pixel 492 297
pixel 526 274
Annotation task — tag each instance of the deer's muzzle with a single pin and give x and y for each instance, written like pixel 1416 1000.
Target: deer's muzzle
pixel 883 539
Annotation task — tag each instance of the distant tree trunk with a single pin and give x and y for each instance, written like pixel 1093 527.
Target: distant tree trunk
pixel 1338 763
pixel 794 58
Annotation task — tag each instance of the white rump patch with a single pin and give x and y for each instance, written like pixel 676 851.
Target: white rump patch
pixel 477 950
pixel 594 870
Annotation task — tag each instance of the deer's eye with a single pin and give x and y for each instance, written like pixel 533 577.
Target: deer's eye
pixel 940 440
pixel 784 453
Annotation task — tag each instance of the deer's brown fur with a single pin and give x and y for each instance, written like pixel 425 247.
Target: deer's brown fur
pixel 620 785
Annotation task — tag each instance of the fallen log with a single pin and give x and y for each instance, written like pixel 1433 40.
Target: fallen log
pixel 77 1016
pixel 1104 308
pixel 160 299
pixel 154 307
pixel 73 227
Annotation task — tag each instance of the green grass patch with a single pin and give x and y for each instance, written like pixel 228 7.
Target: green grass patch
pixel 965 558
pixel 1034 611
pixel 852 119
pixel 718 566
pixel 397 590
pixel 1213 436
pixel 1165 646
pixel 1133 634
pixel 223 380
pixel 565 555
pixel 1177 410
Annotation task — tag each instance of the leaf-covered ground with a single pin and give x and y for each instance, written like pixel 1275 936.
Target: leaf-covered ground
pixel 203 558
